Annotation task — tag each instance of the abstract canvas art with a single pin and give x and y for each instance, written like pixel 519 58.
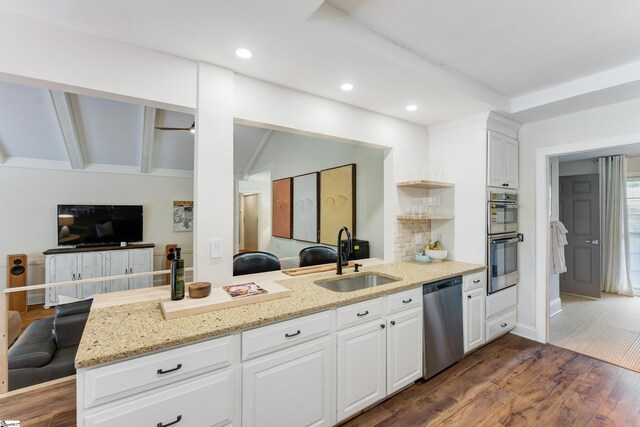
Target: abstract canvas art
pixel 282 212
pixel 337 202
pixel 305 207
pixel 182 216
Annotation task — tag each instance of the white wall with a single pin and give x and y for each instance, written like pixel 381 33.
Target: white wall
pixel 286 155
pixel 613 122
pixel 28 209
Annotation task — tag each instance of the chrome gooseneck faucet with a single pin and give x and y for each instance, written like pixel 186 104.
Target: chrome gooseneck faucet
pixel 349 249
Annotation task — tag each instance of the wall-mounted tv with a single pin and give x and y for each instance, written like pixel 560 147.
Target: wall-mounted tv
pixel 94 225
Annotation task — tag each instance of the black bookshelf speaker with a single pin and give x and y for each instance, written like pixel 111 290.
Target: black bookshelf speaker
pixel 16 278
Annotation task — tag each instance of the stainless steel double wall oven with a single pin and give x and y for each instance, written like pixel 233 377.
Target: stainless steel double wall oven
pixel 503 239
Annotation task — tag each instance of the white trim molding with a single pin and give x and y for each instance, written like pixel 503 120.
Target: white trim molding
pixel 555 307
pixel 542 182
pixel 524 331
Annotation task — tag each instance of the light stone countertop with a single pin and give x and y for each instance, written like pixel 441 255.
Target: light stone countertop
pixel 121 331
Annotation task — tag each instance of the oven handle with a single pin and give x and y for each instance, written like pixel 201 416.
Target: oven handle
pixel 504 205
pixel 517 238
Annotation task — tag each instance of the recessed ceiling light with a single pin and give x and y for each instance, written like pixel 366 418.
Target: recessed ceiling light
pixel 244 53
pixel 412 107
pixel 346 87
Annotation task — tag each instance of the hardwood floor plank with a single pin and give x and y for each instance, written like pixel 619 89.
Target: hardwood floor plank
pixel 486 399
pixel 420 412
pixel 36 405
pixel 622 406
pixel 369 418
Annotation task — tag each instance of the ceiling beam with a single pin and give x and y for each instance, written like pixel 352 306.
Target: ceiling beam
pixel 148 138
pixel 69 128
pixel 256 153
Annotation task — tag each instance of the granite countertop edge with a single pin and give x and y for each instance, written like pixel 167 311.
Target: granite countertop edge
pixel 142 323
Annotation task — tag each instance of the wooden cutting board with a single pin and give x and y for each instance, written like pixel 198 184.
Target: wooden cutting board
pixel 301 271
pixel 217 300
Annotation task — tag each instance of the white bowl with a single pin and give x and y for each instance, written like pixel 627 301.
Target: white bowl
pixel 436 255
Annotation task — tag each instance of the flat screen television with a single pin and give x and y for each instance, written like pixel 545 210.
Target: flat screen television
pixel 95 225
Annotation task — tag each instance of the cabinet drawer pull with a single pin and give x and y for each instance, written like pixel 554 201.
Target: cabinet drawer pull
pixel 362 314
pixel 393 322
pixel 171 423
pixel 292 335
pixel 407 301
pixel 73 277
pixel 476 281
pixel 503 325
pixel 382 326
pixel 160 371
pixel 131 270
pixel 79 276
pixel 468 296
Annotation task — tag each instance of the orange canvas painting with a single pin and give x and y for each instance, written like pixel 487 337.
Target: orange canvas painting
pixel 282 213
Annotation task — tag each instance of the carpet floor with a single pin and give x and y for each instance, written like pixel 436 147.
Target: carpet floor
pixel 607 329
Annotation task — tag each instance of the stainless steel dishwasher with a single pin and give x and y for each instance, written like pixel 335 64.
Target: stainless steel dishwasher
pixel 443 335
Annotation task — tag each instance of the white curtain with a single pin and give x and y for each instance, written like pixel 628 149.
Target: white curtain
pixel 616 268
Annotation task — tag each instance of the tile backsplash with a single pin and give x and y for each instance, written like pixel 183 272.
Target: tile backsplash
pixel 406 231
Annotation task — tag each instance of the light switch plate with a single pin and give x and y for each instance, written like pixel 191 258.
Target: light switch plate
pixel 216 248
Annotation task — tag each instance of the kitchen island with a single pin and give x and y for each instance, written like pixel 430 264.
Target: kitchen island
pixel 316 357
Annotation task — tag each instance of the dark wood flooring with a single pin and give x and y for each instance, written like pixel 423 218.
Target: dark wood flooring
pixel 50 405
pixel 509 382
pixel 516 382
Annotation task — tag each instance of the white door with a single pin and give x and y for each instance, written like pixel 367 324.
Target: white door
pixel 141 261
pixel 510 162
pixel 250 222
pixel 91 266
pixel 292 387
pixel 495 160
pixel 116 264
pixel 63 268
pixel 361 367
pixel 404 349
pixel 474 318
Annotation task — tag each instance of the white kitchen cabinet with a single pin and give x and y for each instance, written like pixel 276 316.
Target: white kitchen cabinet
pixel 361 367
pixel 473 315
pixel 70 267
pixel 404 349
pixel 502 161
pixel 291 387
pixel 198 384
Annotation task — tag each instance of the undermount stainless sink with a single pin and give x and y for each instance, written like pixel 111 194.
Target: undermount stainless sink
pixel 354 283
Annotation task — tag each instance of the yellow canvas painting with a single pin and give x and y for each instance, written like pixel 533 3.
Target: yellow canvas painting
pixel 337 202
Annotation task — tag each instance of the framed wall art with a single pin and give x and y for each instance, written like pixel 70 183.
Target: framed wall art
pixel 182 216
pixel 282 208
pixel 306 208
pixel 337 202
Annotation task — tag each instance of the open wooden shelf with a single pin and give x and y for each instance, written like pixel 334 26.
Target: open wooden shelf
pixel 425 184
pixel 423 217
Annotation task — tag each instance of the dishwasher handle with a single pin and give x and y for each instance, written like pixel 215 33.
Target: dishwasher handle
pixel 429 288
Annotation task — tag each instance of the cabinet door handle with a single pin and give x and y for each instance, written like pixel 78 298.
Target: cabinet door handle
pixel 476 281
pixel 382 326
pixel 407 301
pixel 293 335
pixel 79 276
pixel 161 371
pixel 505 184
pixel 125 271
pixel 73 277
pixel 131 270
pixel 468 296
pixel 362 314
pixel 504 325
pixel 393 322
pixel 160 424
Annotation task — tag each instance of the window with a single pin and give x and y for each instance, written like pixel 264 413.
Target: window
pixel 633 214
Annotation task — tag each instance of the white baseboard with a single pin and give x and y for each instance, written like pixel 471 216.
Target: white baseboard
pixel 524 331
pixel 555 307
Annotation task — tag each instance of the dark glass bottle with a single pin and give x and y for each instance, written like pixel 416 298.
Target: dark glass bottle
pixel 177 276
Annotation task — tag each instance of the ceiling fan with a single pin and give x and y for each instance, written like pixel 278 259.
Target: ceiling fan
pixel 191 128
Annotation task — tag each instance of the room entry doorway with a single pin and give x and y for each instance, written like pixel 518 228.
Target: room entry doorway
pixel 579 211
pixel 249 221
